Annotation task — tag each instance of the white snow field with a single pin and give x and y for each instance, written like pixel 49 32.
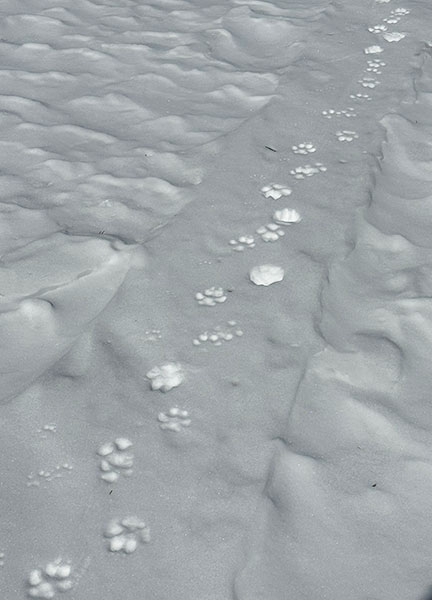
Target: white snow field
pixel 216 299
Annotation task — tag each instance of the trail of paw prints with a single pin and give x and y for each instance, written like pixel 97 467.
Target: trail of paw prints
pixel 304 148
pixel 174 419
pixel 45 475
pixel 331 113
pixel 389 36
pixel 211 296
pixel 46 582
pixel 218 335
pixel 271 232
pixel 125 535
pixel 116 459
pixel 396 15
pixel 346 136
pixel 382 28
pixel 308 170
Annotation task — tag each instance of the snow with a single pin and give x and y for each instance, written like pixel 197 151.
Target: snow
pixel 161 163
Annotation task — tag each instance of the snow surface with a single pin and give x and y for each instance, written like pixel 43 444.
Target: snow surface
pixel 145 149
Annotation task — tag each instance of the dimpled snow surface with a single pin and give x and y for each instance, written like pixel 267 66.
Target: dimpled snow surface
pixel 216 299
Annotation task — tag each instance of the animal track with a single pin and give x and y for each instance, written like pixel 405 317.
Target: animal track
pixel 368 82
pixel 377 28
pixel 360 96
pixel 153 335
pixel 51 427
pixel 266 274
pixel 35 479
pixel 304 148
pixel 219 334
pixel 166 377
pixel 115 460
pixel 308 170
pixel 124 535
pixel 174 419
pixel 400 12
pixel 270 232
pixel 44 583
pixel 347 112
pixel 275 191
pixel 392 20
pixel 374 66
pixel 346 136
pixel 286 216
pixel 373 50
pixel 211 296
pixel 244 241
pixel 394 36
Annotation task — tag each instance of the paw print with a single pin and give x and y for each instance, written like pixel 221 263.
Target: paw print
pixel 346 112
pixel 174 419
pixel 211 296
pixel 374 66
pixel 400 12
pixel 286 216
pixel 373 50
pixel 275 191
pixel 44 475
pixel 308 170
pixel 166 377
pixel 153 335
pixel 244 241
pixel 305 148
pixel 377 28
pixel 219 334
pixel 346 136
pixel 368 82
pixel 392 20
pixel 394 36
pixel 116 458
pixel 44 583
pixel 51 427
pixel 266 274
pixel 124 535
pixel 360 97
pixel 270 232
